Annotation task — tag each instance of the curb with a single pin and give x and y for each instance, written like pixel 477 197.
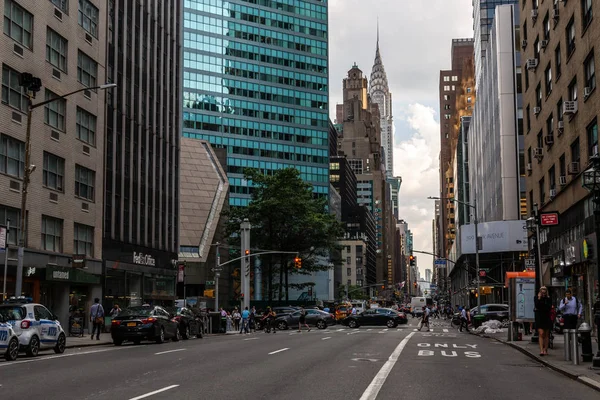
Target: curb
pixel 579 378
pixel 76 346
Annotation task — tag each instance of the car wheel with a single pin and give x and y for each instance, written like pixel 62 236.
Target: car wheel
pixel 118 342
pixel 282 325
pixel 161 336
pixel 12 352
pixel 321 324
pixel 177 336
pixel 61 343
pixel 34 347
pixel 186 332
pixel 353 324
pixel 391 323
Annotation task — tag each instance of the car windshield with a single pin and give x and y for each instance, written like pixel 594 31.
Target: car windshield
pixel 174 310
pixel 12 313
pixel 136 311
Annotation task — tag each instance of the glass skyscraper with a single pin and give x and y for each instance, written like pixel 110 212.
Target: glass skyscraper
pixel 255 78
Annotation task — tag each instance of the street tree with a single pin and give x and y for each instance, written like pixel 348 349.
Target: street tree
pixel 286 215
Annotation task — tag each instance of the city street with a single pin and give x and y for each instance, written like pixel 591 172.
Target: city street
pixel 337 364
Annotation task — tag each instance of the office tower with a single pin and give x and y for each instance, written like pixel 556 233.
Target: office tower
pixel 255 80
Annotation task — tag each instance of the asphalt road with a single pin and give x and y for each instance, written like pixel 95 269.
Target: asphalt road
pixel 335 364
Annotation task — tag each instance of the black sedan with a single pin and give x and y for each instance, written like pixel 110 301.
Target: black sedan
pixel 376 316
pixel 189 324
pixel 498 312
pixel 146 322
pixel 318 318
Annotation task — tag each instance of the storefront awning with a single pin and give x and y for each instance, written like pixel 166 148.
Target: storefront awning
pixel 522 274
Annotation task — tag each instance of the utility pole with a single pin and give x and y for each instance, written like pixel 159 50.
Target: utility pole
pixel 477 258
pixel 217 270
pixel 245 262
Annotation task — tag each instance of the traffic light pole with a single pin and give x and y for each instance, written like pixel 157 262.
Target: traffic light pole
pixel 245 267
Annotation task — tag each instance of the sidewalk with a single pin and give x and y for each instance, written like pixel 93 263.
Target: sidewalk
pixel 85 341
pixel 555 359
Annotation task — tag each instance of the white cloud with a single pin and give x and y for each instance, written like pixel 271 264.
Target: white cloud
pixel 415 42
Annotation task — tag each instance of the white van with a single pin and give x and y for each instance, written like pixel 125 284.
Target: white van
pixel 360 305
pixel 417 304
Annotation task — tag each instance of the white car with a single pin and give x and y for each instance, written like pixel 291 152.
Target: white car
pixel 9 341
pixel 36 327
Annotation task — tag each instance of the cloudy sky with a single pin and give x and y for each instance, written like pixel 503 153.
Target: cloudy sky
pixel 414 39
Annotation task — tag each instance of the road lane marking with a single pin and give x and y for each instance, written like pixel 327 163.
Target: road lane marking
pixel 377 382
pixel 339 330
pixel 279 351
pixel 369 330
pixel 252 338
pixel 325 338
pixel 154 392
pixel 168 351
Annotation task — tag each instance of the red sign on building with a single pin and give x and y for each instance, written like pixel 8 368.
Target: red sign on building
pixel 549 218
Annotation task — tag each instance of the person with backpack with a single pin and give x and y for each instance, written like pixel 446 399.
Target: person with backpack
pixel 571 309
pixel 302 320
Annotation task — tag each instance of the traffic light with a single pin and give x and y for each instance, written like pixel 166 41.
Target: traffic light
pixel 247 252
pixel 298 262
pixel 382 287
pixel 412 260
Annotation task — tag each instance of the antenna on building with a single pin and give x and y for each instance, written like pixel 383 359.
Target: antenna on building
pixel 378 32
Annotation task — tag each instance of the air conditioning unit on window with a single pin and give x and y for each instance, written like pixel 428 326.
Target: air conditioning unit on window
pixel 570 107
pixel 560 127
pixel 552 193
pixel 573 168
pixel 562 180
pixel 544 44
pixel 532 63
pixel 549 140
pixel 538 152
pixel 537 110
pixel 595 150
pixel 534 14
pixel 587 91
pixel 523 44
pixel 529 167
pixel 555 13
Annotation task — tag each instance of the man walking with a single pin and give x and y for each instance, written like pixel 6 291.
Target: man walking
pixel 96 318
pixel 464 319
pixel 572 309
pixel 245 321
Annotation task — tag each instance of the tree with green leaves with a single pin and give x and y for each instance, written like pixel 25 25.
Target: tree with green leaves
pixel 286 215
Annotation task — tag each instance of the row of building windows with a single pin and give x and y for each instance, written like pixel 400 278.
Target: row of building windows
pixel 51 233
pixel 19 23
pixel 208 63
pixel 269 168
pixel 262 145
pixel 297 7
pixel 211 44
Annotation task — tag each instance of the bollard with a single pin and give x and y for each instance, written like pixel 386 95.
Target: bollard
pixel 574 346
pixel 567 349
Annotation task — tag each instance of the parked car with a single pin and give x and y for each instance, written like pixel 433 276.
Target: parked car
pixel 498 312
pixel 144 322
pixel 36 327
pixel 188 324
pixel 378 316
pixel 318 318
pixel 9 341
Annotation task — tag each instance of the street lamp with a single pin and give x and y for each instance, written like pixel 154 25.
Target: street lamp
pixel 591 181
pixel 474 207
pixel 29 80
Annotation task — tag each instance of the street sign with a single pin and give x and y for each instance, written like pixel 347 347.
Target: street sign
pixel 440 263
pixel 549 218
pixel 210 283
pixel 530 263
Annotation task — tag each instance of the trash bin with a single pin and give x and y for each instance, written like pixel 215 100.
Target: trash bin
pixel 478 320
pixel 215 321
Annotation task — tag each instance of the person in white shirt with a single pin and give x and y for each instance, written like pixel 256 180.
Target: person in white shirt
pixel 572 309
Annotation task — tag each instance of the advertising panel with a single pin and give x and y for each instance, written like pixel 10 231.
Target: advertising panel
pixel 525 294
pixel 497 236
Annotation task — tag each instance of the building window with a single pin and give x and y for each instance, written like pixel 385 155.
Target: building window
pixel 548 75
pixel 446 88
pixel 573 90
pixel 12 156
pixel 469 90
pixel 54 172
pixel 446 97
pixel 83 240
pixel 528 112
pixel 469 100
pixel 54 112
pixel 62 5
pixel 570 34
pixel 536 48
pixel 18 23
pixel 454 78
pixel 538 95
pixel 575 153
pixel 349 271
pixel 84 182
pixel 542 187
pixel 559 109
pixel 446 106
pixel 550 125
pixel 86 127
pixel 540 139
pixel 56 50
pixel 87 69
pixel 14 214
pixel 88 17
pixel 552 178
pixel 447 116
pixel 586 12
pixel 562 165
pixel 557 61
pixel 446 79
pixel 13 94
pixel 547 26
pixel 52 234
pixel 590 72
pixel 592 137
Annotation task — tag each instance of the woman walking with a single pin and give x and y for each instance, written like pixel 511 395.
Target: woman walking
pixel 543 322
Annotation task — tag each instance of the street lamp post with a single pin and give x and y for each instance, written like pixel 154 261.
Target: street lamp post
pixel 591 181
pixel 475 222
pixel 28 169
